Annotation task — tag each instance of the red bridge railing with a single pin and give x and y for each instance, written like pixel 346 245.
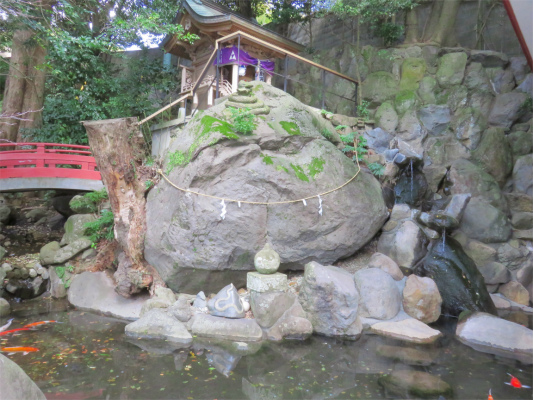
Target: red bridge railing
pixel 47 160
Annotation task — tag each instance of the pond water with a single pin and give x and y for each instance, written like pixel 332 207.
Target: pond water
pixel 87 356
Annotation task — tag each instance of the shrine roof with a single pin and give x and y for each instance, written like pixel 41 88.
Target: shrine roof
pixel 210 14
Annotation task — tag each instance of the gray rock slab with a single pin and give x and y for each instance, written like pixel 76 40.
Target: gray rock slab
pixel 95 291
pixel 434 118
pixel 489 334
pixel 158 324
pixel 507 108
pixel 15 383
pixel 409 330
pixel 246 330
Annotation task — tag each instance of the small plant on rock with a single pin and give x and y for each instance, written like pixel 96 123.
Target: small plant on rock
pixel 243 120
pixel 102 228
pixel 354 145
pixel 376 168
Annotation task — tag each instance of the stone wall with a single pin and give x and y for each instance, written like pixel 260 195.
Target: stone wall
pixel 499 35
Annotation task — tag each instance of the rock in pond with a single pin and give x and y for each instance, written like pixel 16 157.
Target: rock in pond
pixel 227 303
pixel 15 384
pixel 286 158
pixel 95 291
pixel 490 334
pixel 246 330
pixel 159 324
pixel 416 383
pixel 406 355
pixel 409 330
pixel 460 283
pixel 331 300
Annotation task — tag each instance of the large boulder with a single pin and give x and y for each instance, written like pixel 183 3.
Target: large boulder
pixel 460 283
pixel 197 243
pixel 15 383
pixel 490 334
pixel 330 298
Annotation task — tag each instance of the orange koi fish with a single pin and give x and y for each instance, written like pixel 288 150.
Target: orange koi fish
pixel 516 383
pixel 25 350
pixel 490 396
pixel 34 324
pixel 13 331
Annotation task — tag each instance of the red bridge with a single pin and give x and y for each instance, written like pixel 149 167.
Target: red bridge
pixel 46 166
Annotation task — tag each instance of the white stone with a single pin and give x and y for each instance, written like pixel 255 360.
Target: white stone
pixel 266 283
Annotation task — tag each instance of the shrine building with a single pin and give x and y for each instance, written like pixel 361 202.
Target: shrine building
pixel 251 55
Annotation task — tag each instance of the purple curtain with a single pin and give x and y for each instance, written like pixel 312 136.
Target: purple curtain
pixel 232 55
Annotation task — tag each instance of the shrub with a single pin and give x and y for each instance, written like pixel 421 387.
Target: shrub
pixel 102 228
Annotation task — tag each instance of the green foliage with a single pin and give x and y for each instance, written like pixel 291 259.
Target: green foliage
pixel 102 228
pixel 390 32
pixel 358 147
pixel 362 109
pixel 243 120
pixel 340 127
pixel 327 134
pixel 376 168
pixel 97 196
pixel 86 77
pixel 267 159
pixel 177 158
pixel 148 184
pixel 371 11
pixel 300 173
pixel 325 113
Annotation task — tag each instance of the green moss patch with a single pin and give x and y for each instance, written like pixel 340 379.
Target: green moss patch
pixel 290 127
pixel 281 168
pixel 300 174
pixel 267 159
pixel 316 166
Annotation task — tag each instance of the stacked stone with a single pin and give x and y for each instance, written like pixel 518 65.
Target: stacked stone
pixel 278 312
pixel 25 281
pixel 244 98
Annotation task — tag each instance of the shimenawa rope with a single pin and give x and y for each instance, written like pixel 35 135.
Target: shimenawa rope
pixel 267 203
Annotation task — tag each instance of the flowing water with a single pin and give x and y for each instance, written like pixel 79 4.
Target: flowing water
pixel 87 356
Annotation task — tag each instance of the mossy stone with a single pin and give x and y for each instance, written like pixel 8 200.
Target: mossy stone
pixel 405 100
pixel 379 87
pixel 451 70
pixel 386 117
pixel 412 72
pixel 426 90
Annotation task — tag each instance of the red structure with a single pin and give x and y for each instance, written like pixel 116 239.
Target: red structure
pixel 46 160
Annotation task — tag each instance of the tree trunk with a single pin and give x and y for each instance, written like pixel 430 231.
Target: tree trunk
pixel 15 83
pixel 431 23
pixel 119 149
pixel 33 93
pixel 24 92
pixel 443 34
pixel 411 26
